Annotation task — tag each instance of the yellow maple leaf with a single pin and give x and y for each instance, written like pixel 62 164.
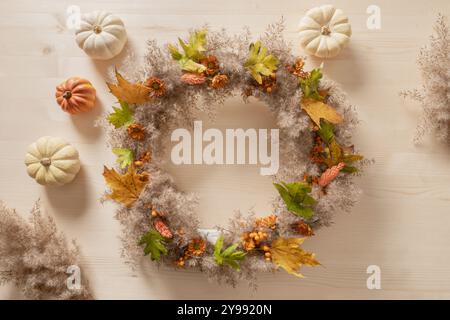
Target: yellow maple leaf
pixel 318 110
pixel 287 253
pixel 125 188
pixel 129 92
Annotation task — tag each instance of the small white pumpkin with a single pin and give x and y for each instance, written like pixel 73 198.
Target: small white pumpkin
pixel 52 161
pixel 101 35
pixel 324 31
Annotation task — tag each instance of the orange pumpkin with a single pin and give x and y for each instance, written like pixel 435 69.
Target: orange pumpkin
pixel 75 95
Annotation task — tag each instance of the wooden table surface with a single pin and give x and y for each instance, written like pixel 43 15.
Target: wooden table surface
pixel 401 222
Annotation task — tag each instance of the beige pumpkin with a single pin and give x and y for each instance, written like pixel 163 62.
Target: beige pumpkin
pixel 101 35
pixel 52 161
pixel 324 31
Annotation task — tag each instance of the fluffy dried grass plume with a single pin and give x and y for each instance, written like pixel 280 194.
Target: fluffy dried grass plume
pixel 35 256
pixel 434 95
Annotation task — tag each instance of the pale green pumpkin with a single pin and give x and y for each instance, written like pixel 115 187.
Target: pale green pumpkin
pixel 52 161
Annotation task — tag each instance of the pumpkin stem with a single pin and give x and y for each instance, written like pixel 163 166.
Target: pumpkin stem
pixel 46 162
pixel 97 29
pixel 325 30
pixel 67 95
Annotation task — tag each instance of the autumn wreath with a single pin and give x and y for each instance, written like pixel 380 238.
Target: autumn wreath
pixel 317 159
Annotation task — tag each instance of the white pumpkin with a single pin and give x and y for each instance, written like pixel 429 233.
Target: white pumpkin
pixel 324 31
pixel 101 35
pixel 52 161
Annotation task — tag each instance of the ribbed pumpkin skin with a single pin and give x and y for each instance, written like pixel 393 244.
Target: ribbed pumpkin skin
pixel 101 35
pixel 324 31
pixel 52 161
pixel 75 95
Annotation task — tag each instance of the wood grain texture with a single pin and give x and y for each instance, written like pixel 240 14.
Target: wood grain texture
pixel 401 222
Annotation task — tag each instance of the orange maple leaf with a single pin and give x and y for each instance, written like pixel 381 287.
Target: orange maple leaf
pixel 129 92
pixel 125 188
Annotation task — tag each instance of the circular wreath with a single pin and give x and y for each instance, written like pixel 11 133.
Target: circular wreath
pixel 317 160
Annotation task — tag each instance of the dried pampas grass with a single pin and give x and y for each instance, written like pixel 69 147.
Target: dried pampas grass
pixel 434 95
pixel 35 256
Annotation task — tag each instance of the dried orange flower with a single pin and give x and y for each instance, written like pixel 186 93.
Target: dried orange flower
pixel 219 81
pixel 297 69
pixel 157 86
pixel 304 229
pixel 196 247
pixel 269 222
pixel 144 158
pixel 212 65
pixel 136 131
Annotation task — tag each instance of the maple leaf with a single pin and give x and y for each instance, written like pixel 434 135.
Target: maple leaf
pixel 193 52
pixel 296 197
pixel 326 131
pixel 122 116
pixel 155 245
pixel 125 188
pixel 335 153
pixel 125 156
pixel 317 110
pixel 129 92
pixel 310 85
pixel 287 254
pixel 259 63
pixel 229 256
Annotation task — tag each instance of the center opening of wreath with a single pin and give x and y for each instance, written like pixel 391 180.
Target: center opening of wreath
pixel 228 161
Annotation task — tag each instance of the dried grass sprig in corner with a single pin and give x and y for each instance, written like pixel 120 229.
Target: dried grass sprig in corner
pixel 35 256
pixel 434 95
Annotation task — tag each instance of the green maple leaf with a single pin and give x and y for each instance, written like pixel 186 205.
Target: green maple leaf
pixel 310 85
pixel 155 245
pixel 121 116
pixel 125 156
pixel 326 131
pixel 228 256
pixel 191 66
pixel 296 197
pixel 259 63
pixel 334 152
pixel 193 52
